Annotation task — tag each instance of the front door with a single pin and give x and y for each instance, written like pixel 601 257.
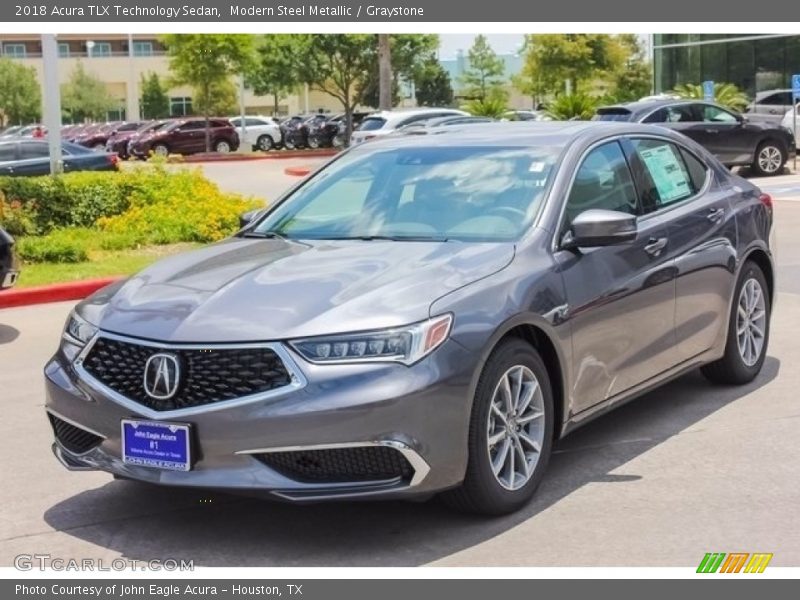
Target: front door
pixel 621 298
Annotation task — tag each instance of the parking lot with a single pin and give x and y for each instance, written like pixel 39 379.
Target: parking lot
pixel 688 469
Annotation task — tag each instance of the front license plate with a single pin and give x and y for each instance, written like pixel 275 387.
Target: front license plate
pixel 158 445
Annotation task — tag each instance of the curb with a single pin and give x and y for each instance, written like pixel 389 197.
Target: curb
pixel 297 171
pixel 57 292
pixel 276 155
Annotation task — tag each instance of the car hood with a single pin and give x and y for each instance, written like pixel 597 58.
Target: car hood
pixel 257 289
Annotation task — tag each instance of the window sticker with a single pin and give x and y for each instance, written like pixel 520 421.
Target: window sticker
pixel 667 173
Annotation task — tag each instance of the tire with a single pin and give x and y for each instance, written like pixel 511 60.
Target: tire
pixel 222 146
pixel 734 368
pixel 482 491
pixel 160 150
pixel 338 141
pixel 99 147
pixel 265 143
pixel 769 159
pixel 289 144
pixel 314 142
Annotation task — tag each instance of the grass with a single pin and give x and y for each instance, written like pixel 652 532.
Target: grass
pixel 101 264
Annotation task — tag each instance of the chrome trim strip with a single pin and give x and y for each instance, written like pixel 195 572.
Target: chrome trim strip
pixel 74 424
pixel 298 380
pixel 421 468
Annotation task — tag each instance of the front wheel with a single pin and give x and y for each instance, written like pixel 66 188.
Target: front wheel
pixel 222 147
pixel 288 143
pixel 313 142
pixel 265 143
pixel 510 432
pixel 748 331
pixel 770 158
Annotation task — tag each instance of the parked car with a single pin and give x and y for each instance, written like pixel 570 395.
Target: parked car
pixel 31 131
pixel 382 123
pixel 730 136
pixel 98 139
pixel 118 140
pixel 11 131
pixel 9 264
pixel 441 124
pixel 770 105
pixel 331 132
pixel 526 115
pixel 295 129
pixel 791 124
pixel 185 136
pixel 32 157
pixel 456 304
pixel 263 133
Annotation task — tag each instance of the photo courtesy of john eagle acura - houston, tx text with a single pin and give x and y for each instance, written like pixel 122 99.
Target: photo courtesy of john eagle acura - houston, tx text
pixel 424 315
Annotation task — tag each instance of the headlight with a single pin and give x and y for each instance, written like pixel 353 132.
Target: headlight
pixel 78 331
pixel 405 345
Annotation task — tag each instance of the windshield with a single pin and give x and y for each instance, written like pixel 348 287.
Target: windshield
pixel 612 114
pixel 371 123
pixel 438 193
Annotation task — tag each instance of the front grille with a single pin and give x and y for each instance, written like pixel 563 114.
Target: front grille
pixel 340 465
pixel 73 438
pixel 207 376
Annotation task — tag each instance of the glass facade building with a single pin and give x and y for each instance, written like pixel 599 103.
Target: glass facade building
pixel 753 63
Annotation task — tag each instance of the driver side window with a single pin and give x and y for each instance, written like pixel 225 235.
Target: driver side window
pixel 603 181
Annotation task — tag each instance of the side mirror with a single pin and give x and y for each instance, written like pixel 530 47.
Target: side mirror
pixel 251 215
pixel 598 227
pixel 742 118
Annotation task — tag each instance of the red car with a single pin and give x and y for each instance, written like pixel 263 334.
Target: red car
pixel 186 136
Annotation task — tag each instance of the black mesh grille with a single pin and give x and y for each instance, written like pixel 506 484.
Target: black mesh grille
pixel 337 465
pixel 73 438
pixel 207 376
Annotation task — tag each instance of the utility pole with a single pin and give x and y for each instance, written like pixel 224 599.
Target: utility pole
pixel 52 101
pixel 384 72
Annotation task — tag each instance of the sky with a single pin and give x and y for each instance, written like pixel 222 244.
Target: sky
pixel 451 43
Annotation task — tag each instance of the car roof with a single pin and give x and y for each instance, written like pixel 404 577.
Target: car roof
pixel 523 133
pixel 391 116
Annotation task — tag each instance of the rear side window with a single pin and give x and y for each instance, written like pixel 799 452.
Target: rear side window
pixel 371 123
pixel 781 98
pixel 665 176
pixel 602 181
pixel 697 169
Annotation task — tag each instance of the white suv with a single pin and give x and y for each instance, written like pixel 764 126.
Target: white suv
pixel 387 121
pixel 260 133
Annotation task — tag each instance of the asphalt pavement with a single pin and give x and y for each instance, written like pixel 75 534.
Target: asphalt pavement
pixel 687 469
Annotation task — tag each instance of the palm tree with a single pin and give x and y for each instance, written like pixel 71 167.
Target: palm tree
pixel 725 94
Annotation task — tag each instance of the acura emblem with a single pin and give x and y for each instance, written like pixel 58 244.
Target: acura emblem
pixel 162 374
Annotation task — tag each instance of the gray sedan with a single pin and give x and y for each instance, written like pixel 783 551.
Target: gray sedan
pixel 423 315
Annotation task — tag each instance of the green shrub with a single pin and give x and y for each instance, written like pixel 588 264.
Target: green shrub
pixel 60 246
pixel 725 94
pixel 573 106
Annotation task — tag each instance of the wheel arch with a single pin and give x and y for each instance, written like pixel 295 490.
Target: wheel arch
pixel 761 258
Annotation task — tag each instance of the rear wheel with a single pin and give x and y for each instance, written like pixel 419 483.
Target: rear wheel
pixel 748 331
pixel 289 144
pixel 160 150
pixel 313 142
pixel 770 158
pixel 510 432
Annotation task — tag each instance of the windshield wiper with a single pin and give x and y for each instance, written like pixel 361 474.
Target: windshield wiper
pixel 269 235
pixel 391 238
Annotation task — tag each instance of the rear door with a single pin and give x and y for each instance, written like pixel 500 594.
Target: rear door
pixel 679 191
pixel 621 298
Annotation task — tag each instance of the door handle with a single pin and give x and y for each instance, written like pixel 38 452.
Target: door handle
pixel 712 130
pixel 655 246
pixel 715 214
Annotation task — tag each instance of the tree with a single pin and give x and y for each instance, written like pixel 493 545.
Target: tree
pixel 20 98
pixel 635 79
pixel 204 60
pixel 494 107
pixel 432 84
pixel 275 71
pixel 484 77
pixel 555 63
pixel 85 97
pixel 222 99
pixel 385 79
pixel 155 99
pixel 725 94
pixel 408 53
pixel 573 106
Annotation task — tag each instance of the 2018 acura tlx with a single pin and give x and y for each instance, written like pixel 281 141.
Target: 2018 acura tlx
pixel 424 314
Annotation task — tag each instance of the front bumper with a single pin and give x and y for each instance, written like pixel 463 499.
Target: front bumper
pixel 421 412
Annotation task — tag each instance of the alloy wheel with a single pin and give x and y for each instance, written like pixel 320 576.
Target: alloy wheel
pixel 515 427
pixel 223 147
pixel 751 322
pixel 770 159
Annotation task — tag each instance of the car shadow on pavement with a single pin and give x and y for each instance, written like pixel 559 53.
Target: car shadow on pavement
pixel 145 522
pixel 8 334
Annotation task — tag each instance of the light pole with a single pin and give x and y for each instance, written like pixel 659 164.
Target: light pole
pixel 52 101
pixel 132 103
pixel 89 46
